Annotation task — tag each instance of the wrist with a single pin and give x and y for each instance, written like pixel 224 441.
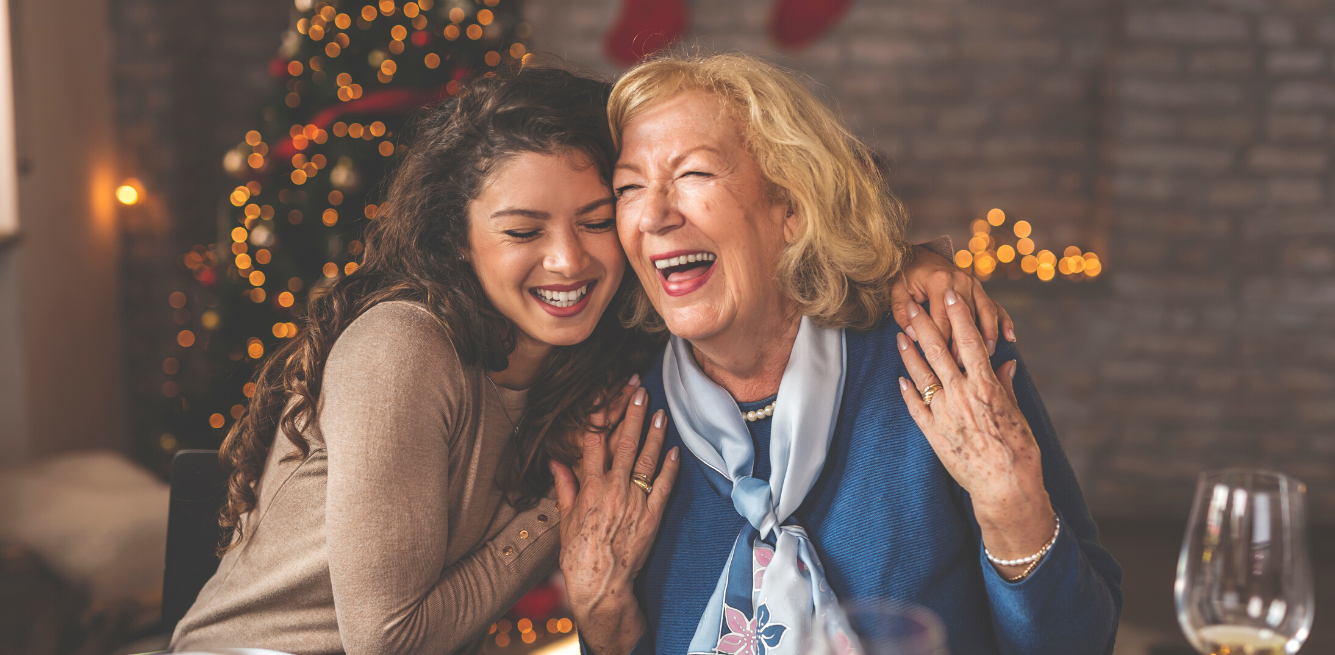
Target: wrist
pixel 1018 530
pixel 611 627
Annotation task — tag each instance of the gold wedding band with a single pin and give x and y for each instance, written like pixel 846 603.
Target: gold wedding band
pixel 642 481
pixel 930 391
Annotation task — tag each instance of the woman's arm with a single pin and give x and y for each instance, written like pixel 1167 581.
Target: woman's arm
pixel 390 392
pixel 1018 483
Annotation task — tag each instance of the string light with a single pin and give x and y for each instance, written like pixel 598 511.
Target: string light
pixel 128 193
pixel 986 257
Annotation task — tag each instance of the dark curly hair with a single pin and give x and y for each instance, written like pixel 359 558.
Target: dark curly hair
pixel 414 251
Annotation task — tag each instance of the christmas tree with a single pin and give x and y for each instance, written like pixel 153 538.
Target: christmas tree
pixel 348 77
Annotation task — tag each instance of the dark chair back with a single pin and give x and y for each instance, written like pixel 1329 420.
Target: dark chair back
pixel 199 487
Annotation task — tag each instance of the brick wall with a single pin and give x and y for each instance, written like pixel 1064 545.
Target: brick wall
pixel 1188 143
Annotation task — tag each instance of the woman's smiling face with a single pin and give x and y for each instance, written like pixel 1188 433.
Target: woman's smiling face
pixel 696 221
pixel 542 239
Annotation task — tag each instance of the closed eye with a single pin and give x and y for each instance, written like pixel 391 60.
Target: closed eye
pixel 700 173
pixel 619 191
pixel 522 234
pixel 603 225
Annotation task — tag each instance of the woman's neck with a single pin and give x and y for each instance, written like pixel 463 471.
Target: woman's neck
pixel 748 362
pixel 527 359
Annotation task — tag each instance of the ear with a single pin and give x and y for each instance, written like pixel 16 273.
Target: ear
pixel 790 222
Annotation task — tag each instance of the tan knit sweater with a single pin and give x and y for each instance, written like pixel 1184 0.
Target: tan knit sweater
pixel 391 536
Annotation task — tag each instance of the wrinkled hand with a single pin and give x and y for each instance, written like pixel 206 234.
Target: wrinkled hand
pixel 608 525
pixel 927 279
pixel 975 426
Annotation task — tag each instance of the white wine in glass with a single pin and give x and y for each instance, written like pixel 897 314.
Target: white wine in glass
pixel 1244 579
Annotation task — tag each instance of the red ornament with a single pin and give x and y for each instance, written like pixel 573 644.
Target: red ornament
pixel 421 38
pixel 643 28
pixel 796 24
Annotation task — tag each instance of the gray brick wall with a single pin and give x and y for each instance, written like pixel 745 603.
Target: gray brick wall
pixel 1188 143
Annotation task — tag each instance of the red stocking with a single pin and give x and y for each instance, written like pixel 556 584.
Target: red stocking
pixel 644 27
pixel 796 24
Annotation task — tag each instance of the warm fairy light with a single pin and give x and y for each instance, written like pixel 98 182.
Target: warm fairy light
pixel 329 217
pixel 355 130
pixel 492 58
pixel 1006 254
pixel 263 256
pixel 377 129
pixel 238 411
pixel 343 21
pixel 996 216
pixel 330 269
pixel 451 32
pixel 1093 267
pixel 292 100
pixel 368 13
pixel 332 49
pixel 171 366
pixel 396 47
pixel 524 625
pixel 502 640
pixel 298 177
pixel 185 338
pixel 552 625
pixel 319 160
pixel 239 234
pixel 978 243
pixel 285 299
pixel 984 264
pixel 371 211
pixel 517 51
pixel 411 10
pixel 1023 229
pixel 280 330
pixel 256 278
pixel 1025 246
pixel 1046 257
pixel 252 210
pixel 980 226
pixel 257 295
pixel 248 390
pixel 565 625
pixel 386 148
pixel 964 259
pixel 349 268
pixel 340 129
pixel 388 67
pixel 126 193
pixel 432 60
pixel 294 284
pixel 294 217
pixel 485 17
pixel 216 421
pixel 239 247
pixel 398 33
pixel 387 7
pixel 176 300
pixel 1046 272
pixel 457 15
pixel 255 160
pixel 243 262
pixel 528 637
pixel 209 320
pixel 474 32
pixel 335 197
pixel 1029 264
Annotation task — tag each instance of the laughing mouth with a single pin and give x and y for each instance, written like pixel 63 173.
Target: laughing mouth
pixel 684 267
pixel 561 298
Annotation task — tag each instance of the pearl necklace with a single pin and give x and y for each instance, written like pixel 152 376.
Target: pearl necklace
pixel 764 412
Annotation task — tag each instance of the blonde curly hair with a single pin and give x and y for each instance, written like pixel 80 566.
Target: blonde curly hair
pixel 849 242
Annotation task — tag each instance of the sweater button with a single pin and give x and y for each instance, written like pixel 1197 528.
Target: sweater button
pixel 523 534
pixel 542 518
pixel 508 551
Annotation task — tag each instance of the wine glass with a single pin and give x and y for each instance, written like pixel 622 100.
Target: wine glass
pixel 1244 580
pixel 877 627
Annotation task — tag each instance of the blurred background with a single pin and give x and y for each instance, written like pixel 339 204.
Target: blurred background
pixel 1146 185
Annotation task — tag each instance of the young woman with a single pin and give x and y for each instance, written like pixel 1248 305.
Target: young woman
pixel 390 488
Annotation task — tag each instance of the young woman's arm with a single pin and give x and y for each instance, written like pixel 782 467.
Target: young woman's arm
pixel 390 393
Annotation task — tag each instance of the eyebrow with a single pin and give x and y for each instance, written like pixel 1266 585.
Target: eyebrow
pixel 542 215
pixel 674 161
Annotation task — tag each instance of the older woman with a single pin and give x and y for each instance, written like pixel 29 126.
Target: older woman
pixel 818 456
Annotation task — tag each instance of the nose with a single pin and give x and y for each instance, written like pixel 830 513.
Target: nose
pixel 659 212
pixel 567 256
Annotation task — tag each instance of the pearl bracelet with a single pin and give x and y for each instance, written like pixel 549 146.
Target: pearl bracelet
pixel 1032 558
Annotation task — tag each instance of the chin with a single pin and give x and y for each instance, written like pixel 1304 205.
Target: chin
pixel 694 322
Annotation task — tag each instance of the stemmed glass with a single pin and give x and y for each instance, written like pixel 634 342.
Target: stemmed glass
pixel 1244 580
pixel 878 627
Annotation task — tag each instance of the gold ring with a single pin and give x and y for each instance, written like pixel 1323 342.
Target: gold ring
pixel 930 391
pixel 639 481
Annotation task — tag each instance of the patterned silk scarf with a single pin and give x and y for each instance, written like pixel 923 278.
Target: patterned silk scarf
pixel 773 589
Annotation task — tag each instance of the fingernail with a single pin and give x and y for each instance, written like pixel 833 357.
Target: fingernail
pixel 658 419
pixel 951 298
pixel 1015 366
pixel 634 380
pixel 640 396
pixel 909 331
pixel 903 341
pixel 672 454
pixel 991 347
pixel 913 309
pixel 1010 334
pixel 903 386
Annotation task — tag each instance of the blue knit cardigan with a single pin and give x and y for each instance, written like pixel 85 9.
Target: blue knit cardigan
pixel 889 522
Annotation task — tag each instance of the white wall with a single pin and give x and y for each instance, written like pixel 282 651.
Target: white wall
pixel 59 309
